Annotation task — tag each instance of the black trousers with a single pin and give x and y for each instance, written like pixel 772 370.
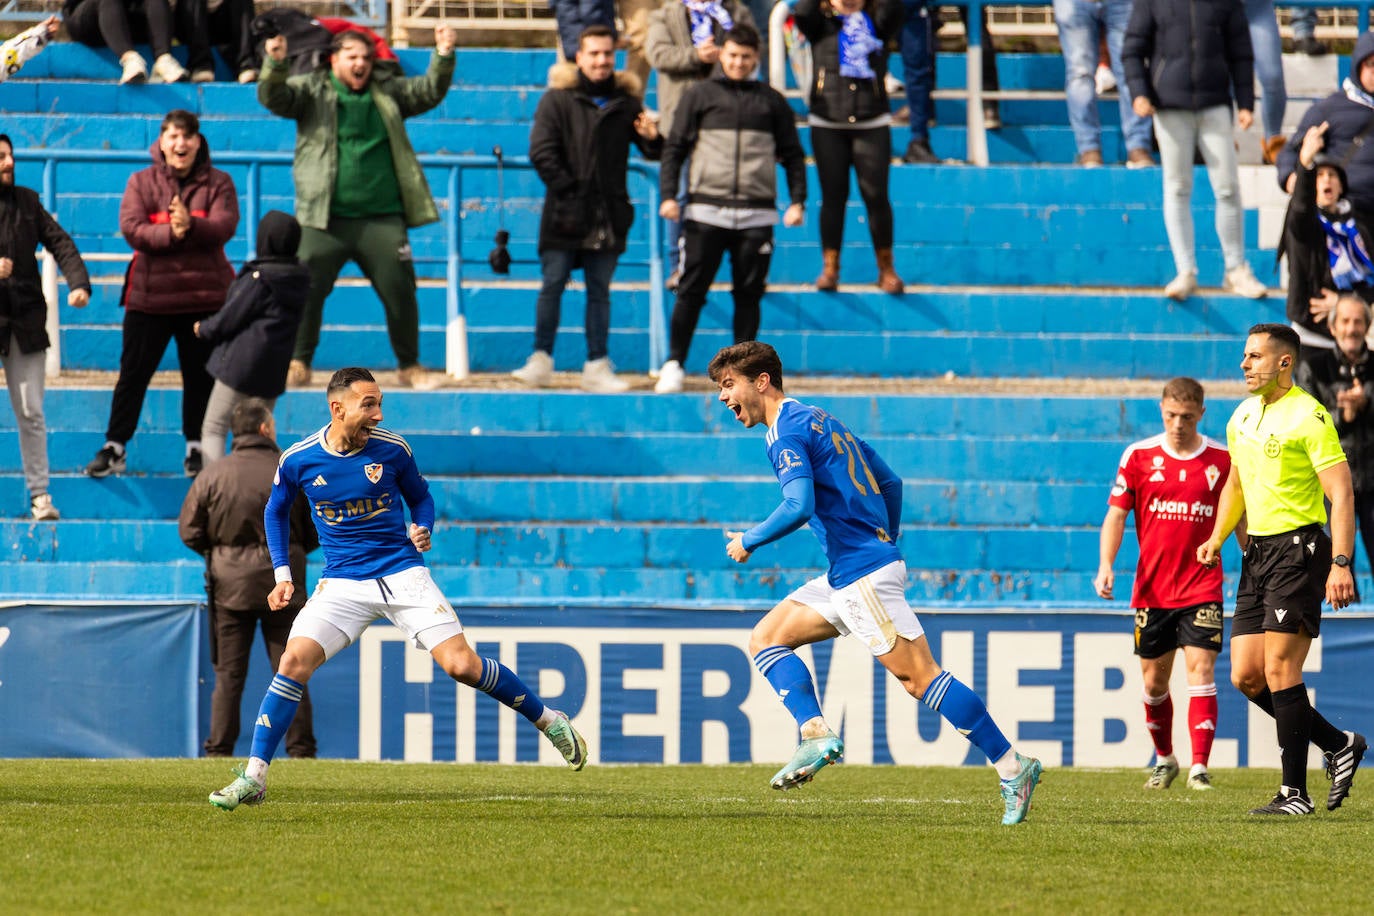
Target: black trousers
pixel 869 154
pixel 230 30
pixel 121 24
pixel 145 340
pixel 704 246
pixel 233 635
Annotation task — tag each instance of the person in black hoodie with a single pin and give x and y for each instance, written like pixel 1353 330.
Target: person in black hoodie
pixel 851 120
pixel 580 146
pixel 1185 62
pixel 1349 140
pixel 24 225
pixel 1328 243
pixel 255 332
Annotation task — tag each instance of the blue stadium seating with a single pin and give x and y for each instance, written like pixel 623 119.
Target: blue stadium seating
pixel 1021 271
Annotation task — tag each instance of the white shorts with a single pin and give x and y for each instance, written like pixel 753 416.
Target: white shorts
pixel 873 608
pixel 340 609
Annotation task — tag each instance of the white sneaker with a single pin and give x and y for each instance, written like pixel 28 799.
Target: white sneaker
pixel 168 70
pixel 248 76
pixel 203 76
pixel 598 375
pixel 1181 287
pixel 42 508
pixel 1104 79
pixel 537 371
pixel 670 378
pixel 1241 281
pixel 135 69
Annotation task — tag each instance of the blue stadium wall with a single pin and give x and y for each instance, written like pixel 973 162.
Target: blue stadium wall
pixel 645 685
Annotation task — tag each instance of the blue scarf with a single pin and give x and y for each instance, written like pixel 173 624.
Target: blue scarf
pixel 857 42
pixel 704 15
pixel 1345 250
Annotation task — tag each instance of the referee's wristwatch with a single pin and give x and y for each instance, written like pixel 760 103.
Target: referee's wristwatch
pixel 1341 560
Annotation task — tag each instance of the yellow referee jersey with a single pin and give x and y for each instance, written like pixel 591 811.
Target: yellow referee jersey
pixel 1278 449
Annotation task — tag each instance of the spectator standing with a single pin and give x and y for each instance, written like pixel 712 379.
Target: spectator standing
pixel 1171 483
pixel 1263 24
pixel 176 215
pixel 1303 22
pixel 576 16
pixel 230 25
pixel 683 46
pixel 918 41
pixel 1327 241
pixel 580 146
pixel 634 14
pixel 359 185
pixel 1342 378
pixel 222 520
pixel 24 225
pixel 254 333
pixel 1185 61
pixel 1349 138
pixel 734 130
pixel 1083 25
pixel 121 24
pixel 850 122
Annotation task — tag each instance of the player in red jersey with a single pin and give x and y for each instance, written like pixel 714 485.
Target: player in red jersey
pixel 1172 482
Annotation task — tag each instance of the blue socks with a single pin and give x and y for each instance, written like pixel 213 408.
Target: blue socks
pixel 501 684
pixel 275 715
pixel 791 680
pixel 963 709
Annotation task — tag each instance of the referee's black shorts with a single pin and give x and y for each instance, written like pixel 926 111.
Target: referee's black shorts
pixel 1283 583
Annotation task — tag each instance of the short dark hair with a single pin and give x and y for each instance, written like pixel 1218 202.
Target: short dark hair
pixel 751 359
pixel 249 416
pixel 180 118
pixel 742 34
pixel 1184 389
pixel 1283 335
pixel 5 139
pixel 594 31
pixel 353 35
pixel 343 379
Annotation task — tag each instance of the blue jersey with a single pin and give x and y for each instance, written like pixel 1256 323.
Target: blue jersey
pixel 857 496
pixel 356 501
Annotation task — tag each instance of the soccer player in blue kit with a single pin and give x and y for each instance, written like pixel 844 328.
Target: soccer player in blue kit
pixel 835 483
pixel 359 478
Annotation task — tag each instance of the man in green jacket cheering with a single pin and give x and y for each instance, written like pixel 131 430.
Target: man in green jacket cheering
pixel 359 185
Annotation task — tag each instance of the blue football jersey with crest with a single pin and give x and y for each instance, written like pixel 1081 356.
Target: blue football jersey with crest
pixel 851 518
pixel 358 501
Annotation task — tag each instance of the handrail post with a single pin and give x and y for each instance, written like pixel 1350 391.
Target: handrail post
pixel 658 324
pixel 977 127
pixel 254 190
pixel 456 327
pixel 777 47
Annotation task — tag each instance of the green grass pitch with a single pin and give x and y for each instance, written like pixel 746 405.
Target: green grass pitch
pixel 88 836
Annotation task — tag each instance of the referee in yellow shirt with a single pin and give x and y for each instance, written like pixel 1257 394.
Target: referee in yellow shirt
pixel 1285 457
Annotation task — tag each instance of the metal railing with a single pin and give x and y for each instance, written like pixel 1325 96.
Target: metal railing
pixel 371 13
pixel 973 61
pixel 456 362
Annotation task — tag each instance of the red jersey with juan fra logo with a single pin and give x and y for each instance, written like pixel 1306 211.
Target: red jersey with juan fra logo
pixel 1174 498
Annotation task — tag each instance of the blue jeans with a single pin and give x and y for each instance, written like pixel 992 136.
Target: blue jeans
pixel 557 267
pixel 1264 37
pixel 1303 21
pixel 1080 23
pixel 918 65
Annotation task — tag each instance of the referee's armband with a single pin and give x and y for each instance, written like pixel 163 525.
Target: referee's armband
pixel 282 573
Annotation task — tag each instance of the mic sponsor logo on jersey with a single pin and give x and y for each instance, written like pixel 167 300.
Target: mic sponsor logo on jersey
pixel 1182 510
pixel 332 513
pixel 373 472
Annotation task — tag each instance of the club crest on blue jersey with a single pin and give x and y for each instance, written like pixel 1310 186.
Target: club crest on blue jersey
pixel 373 472
pixel 788 460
